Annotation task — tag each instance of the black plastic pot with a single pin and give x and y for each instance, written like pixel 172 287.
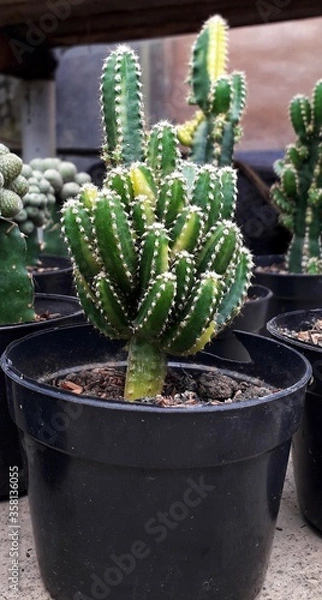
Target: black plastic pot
pixel 252 318
pixel 70 311
pixel 131 501
pixel 291 291
pixel 307 444
pixel 56 276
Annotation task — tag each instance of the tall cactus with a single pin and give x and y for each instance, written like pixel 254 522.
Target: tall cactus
pixel 16 289
pixel 155 260
pixel 215 128
pixel 298 193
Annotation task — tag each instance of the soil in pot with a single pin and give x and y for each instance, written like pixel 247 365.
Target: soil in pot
pixel 302 330
pixel 134 501
pixel 185 388
pixel 51 310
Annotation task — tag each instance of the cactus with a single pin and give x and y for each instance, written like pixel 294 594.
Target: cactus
pixel 215 128
pixel 298 193
pixel 16 288
pixel 155 263
pixel 51 181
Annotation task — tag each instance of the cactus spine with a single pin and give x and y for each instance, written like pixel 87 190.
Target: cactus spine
pixel 16 289
pixel 215 128
pixel 298 193
pixel 155 262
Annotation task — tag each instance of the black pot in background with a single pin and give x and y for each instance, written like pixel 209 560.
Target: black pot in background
pixel 291 291
pixel 252 318
pixel 131 501
pixel 70 311
pixel 307 443
pixel 57 276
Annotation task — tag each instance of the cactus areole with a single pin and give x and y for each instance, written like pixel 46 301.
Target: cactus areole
pixel 158 260
pixel 298 194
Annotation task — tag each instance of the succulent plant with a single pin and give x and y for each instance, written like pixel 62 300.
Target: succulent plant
pixel 16 288
pixel 51 181
pixel 215 128
pixel 298 193
pixel 157 259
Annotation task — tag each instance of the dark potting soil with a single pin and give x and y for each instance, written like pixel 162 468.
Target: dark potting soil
pixel 182 388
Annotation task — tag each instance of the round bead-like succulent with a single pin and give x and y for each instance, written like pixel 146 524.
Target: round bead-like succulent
pixel 13 186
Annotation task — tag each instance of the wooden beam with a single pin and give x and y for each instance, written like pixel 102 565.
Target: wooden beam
pixel 29 25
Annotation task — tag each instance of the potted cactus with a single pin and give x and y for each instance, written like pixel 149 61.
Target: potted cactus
pixel 296 278
pixel 160 267
pixel 20 311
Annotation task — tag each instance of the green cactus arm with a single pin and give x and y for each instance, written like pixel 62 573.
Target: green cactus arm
pixel 92 307
pixel 122 107
pixel 196 316
pixel 235 293
pixel 115 240
pixel 228 183
pixel 300 115
pixel 219 248
pixel 317 107
pixel 162 149
pixel 202 146
pixel 143 182
pixel 156 306
pixel 209 56
pixel 154 255
pixel 171 198
pixel 112 304
pixel 77 229
pixel 143 214
pixel 16 287
pixel 187 229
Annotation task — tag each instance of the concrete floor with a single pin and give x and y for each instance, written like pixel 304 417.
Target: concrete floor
pixel 295 571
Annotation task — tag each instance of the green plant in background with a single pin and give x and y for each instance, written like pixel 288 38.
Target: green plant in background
pixel 16 288
pixel 157 259
pixel 51 181
pixel 215 128
pixel 298 193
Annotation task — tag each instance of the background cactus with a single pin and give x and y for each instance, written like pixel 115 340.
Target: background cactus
pixel 157 259
pixel 51 181
pixel 298 194
pixel 16 288
pixel 215 128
